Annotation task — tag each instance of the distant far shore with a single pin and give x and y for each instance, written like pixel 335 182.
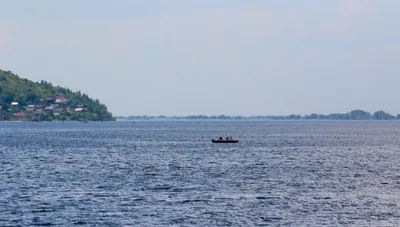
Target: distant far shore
pixel 352 115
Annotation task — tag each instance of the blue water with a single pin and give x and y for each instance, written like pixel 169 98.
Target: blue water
pixel 168 173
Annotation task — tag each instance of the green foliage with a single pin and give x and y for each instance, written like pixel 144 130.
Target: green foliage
pixel 359 115
pixel 381 115
pixel 25 92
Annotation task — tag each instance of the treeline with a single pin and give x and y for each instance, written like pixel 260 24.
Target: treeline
pixel 353 115
pixel 146 117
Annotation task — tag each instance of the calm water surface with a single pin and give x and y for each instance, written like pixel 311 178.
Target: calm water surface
pixel 168 173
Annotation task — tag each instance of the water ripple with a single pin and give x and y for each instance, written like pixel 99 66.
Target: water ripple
pixel 301 173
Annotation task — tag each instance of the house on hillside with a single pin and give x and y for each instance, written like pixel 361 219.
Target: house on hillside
pixel 80 108
pixel 62 100
pixel 19 116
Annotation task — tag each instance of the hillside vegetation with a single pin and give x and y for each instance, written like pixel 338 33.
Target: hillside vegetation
pixel 25 100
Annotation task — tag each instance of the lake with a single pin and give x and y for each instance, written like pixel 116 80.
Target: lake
pixel 168 173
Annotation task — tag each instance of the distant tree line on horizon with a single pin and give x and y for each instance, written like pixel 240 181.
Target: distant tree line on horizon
pixel 353 115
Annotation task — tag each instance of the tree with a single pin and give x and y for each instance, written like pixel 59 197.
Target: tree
pixel 381 115
pixel 312 116
pixel 8 97
pixel 359 115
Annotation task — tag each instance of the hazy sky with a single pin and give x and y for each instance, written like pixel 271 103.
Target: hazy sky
pixel 181 57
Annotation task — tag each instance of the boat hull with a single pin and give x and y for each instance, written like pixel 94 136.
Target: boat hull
pixel 225 141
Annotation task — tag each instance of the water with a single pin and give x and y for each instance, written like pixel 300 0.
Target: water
pixel 168 173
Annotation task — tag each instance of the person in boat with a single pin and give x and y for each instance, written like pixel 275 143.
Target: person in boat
pixel 220 138
pixel 227 139
pixel 230 138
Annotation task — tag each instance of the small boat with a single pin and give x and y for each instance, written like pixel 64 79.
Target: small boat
pixel 225 141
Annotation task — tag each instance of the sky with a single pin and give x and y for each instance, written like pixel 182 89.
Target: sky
pixel 233 57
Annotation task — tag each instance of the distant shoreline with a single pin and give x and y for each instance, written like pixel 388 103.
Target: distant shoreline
pixel 248 119
pixel 353 115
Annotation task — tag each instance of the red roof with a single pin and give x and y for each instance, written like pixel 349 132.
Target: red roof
pixel 19 114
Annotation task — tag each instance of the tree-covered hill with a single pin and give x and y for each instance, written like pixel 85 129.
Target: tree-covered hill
pixel 22 99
